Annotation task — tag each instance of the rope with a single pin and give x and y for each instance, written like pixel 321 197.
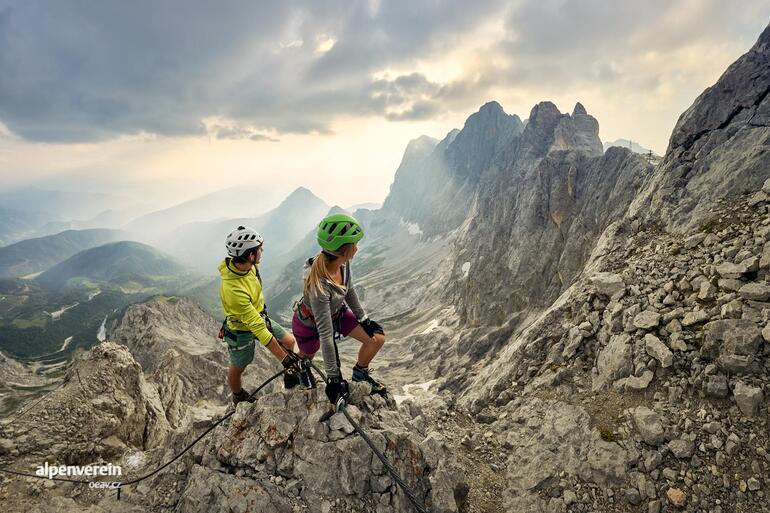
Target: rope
pixel 391 469
pixel 34 403
pixel 172 460
pixel 190 446
pixel 393 472
pixel 341 407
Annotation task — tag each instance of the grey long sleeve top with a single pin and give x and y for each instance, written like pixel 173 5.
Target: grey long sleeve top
pixel 324 306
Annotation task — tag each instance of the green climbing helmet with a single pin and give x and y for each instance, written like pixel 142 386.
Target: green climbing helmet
pixel 338 229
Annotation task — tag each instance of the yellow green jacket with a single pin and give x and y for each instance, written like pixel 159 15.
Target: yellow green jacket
pixel 242 301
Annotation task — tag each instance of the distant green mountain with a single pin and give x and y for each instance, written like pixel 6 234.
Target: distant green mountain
pixel 71 306
pixel 132 266
pixel 35 255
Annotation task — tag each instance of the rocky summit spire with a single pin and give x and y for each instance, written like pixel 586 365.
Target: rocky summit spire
pixel 549 130
pixel 579 132
pixel 485 133
pixel 579 110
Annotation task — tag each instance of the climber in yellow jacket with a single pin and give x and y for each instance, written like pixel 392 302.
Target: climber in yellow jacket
pixel 245 313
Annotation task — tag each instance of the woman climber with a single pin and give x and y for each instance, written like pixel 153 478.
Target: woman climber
pixel 330 309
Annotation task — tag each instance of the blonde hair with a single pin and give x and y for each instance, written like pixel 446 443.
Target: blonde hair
pixel 314 283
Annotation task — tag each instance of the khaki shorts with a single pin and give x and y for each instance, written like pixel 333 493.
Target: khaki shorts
pixel 240 344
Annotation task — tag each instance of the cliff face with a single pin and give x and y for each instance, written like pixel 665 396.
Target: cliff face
pixel 719 146
pixel 539 213
pixel 179 333
pixel 529 202
pixel 104 406
pixel 434 188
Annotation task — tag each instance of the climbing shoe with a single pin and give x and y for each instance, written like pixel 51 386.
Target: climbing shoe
pixel 290 380
pixel 243 396
pixel 306 378
pixel 362 374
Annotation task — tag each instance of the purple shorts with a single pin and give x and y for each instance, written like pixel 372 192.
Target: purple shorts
pixel 307 338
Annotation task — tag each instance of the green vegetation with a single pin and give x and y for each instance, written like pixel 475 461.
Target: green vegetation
pixel 712 226
pixel 34 255
pixel 607 434
pixel 131 265
pixel 38 321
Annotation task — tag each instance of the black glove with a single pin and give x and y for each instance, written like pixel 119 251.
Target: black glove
pixel 291 363
pixel 371 327
pixel 336 387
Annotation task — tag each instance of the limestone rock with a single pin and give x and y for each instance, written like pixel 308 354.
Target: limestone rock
pixel 730 336
pixel 748 398
pixel 636 382
pixel 716 149
pixel 647 320
pixel 615 361
pixel 122 408
pixel 764 261
pixel 676 497
pixel 554 438
pixel 681 447
pixel 608 284
pixel 649 425
pixel 735 271
pixel 6 446
pixel 716 386
pixel 658 350
pixel 695 317
pixel 694 240
pixel 755 291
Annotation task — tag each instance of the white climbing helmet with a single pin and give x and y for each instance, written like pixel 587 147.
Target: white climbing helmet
pixel 242 239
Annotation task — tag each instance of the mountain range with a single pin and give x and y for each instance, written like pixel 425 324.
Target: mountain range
pixel 631 145
pixel 34 255
pixel 124 263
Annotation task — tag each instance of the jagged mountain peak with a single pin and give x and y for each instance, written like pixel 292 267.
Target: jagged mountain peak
pixel 447 140
pixel 301 194
pixel 579 110
pixel 491 114
pixel 745 84
pixel 549 130
pixel 542 118
pixel 485 133
pixel 420 147
pixel 492 107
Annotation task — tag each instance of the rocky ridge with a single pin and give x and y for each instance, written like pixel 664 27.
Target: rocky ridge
pixel 663 347
pixel 270 455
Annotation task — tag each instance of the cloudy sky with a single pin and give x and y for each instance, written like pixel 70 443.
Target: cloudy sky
pixel 173 99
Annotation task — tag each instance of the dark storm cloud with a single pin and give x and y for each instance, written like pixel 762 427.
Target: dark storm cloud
pixel 92 70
